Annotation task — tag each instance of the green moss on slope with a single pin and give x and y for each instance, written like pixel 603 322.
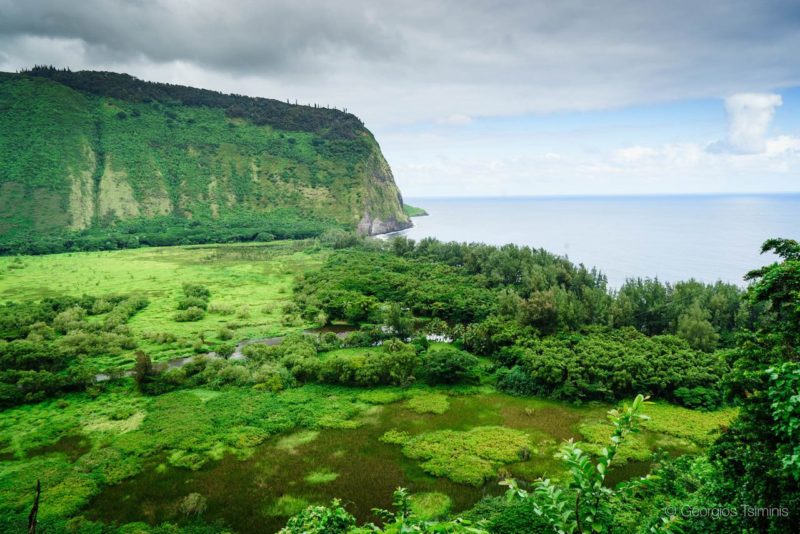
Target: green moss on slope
pixel 87 151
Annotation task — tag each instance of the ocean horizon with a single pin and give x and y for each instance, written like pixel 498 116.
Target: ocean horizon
pixel 672 237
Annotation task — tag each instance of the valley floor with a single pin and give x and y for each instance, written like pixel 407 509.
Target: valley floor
pixel 112 455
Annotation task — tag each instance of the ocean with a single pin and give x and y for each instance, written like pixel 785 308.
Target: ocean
pixel 705 237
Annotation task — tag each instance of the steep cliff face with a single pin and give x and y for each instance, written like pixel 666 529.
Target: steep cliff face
pixel 382 199
pixel 86 151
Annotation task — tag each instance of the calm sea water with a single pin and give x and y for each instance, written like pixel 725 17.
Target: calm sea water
pixel 708 237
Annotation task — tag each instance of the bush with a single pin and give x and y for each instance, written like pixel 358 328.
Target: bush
pixel 192 302
pixel 193 504
pixel 162 338
pixel 273 377
pixel 189 315
pixel 393 364
pixel 449 365
pixel 197 291
pixel 698 397
pixel 515 381
pixel 261 352
pixel 225 334
pixel 321 520
pixel 225 350
pixel 221 309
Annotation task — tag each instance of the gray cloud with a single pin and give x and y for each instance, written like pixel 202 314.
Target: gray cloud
pixel 394 62
pixel 232 36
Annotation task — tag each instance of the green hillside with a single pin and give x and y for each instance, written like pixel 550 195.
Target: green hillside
pixel 92 160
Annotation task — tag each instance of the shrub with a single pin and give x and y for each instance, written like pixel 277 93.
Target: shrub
pixel 698 397
pixel 393 365
pixel 321 520
pixel 262 352
pixel 273 377
pixel 221 309
pixel 192 302
pixel 193 504
pixel 162 338
pixel 226 350
pixel 196 290
pixel 225 334
pixel 234 374
pixel 189 315
pixel 515 381
pixel 449 365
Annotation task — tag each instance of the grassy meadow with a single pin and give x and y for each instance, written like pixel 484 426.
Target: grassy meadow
pixel 250 283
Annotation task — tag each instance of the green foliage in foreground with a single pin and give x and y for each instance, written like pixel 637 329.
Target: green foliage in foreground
pixel 407 517
pixel 583 506
pixel 431 505
pixel 757 457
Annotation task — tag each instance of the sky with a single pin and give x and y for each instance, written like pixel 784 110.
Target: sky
pixel 480 98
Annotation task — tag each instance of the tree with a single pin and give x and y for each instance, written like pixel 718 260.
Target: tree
pixel 540 310
pixel 755 455
pixel 449 365
pixel 694 326
pixel 143 371
pixel 399 321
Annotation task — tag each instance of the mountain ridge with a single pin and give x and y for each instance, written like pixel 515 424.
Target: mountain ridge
pixel 91 155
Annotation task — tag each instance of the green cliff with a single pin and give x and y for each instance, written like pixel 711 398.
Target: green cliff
pixel 104 160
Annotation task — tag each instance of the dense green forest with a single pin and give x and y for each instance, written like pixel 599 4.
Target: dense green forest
pixel 100 160
pixel 477 377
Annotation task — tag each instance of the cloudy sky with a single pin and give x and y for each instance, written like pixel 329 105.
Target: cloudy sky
pixel 472 97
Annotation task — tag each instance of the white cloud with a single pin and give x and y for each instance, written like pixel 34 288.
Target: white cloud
pixel 749 115
pixel 665 169
pixel 457 119
pixel 633 153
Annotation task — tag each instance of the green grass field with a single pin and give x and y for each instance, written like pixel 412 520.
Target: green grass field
pixel 249 283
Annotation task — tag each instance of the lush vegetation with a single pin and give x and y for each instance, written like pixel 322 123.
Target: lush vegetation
pixel 46 348
pixel 551 328
pixel 97 160
pixel 155 385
